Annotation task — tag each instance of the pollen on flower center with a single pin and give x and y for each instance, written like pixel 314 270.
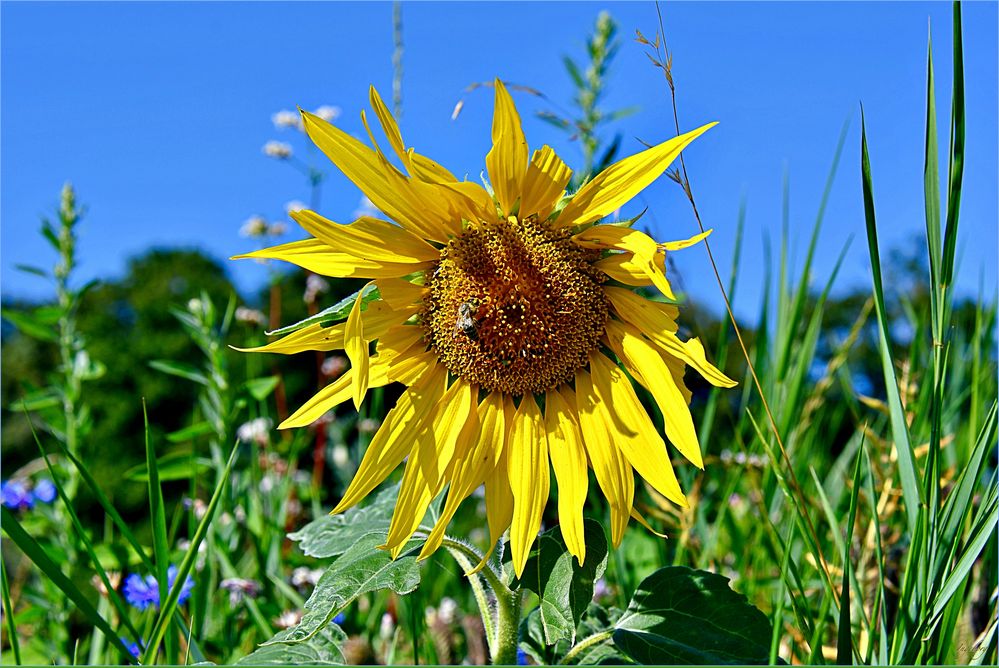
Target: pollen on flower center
pixel 515 306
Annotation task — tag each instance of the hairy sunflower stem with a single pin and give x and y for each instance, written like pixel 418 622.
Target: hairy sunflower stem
pixel 501 631
pixel 507 627
pixel 584 645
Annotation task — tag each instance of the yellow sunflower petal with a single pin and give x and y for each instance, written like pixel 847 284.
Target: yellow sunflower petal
pixel 419 210
pixel 619 183
pixel 356 346
pixel 632 429
pixel 400 293
pixel 613 472
pixel 318 257
pixel 378 318
pixel 429 460
pixel 499 497
pixel 507 160
pixel 625 268
pixel 394 439
pixel 565 449
pixel 645 250
pixel 657 325
pixel 384 369
pixel 641 356
pixel 473 460
pixel 389 126
pixel 656 315
pixel 545 182
pixel 686 243
pixel 645 523
pixel 369 238
pixel 529 479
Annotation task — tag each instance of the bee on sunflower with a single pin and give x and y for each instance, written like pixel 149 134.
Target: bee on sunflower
pixel 512 319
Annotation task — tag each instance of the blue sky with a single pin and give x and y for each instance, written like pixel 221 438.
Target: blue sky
pixel 158 112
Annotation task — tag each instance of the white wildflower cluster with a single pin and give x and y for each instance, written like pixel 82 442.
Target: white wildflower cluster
pixel 366 208
pixel 340 456
pixel 278 150
pixel 304 577
pixel 742 459
pixel 314 286
pixel 250 316
pixel 368 425
pixel 288 619
pixel 257 430
pixel 257 227
pixel 286 118
pixel 294 205
pixel 239 589
pixel 334 365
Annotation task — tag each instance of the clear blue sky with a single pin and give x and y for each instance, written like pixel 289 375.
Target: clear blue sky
pixel 157 113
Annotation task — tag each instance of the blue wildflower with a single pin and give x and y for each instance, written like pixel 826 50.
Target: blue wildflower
pixel 144 592
pixel 15 495
pixel 45 490
pixel 339 618
pixel 135 649
pixel 521 657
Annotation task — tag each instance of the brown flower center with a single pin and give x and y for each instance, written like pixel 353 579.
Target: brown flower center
pixel 515 306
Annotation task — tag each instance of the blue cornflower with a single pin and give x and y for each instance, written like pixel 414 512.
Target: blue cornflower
pixel 15 495
pixel 45 490
pixel 143 592
pixel 135 649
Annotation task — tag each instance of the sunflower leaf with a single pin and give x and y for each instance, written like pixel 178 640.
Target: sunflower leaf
pixel 323 649
pixel 332 535
pixel 683 616
pixel 564 587
pixel 334 313
pixel 362 568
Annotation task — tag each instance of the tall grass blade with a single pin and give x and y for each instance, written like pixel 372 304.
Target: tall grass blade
pixel 955 169
pixel 81 533
pixel 908 472
pixel 157 515
pixel 844 635
pixel 8 614
pixel 186 564
pixel 38 556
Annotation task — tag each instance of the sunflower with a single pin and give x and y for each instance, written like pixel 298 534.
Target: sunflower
pixel 512 318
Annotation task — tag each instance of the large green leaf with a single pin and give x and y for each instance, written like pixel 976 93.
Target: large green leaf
pixel 564 587
pixel 683 616
pixel 331 535
pixel 361 568
pixel 323 649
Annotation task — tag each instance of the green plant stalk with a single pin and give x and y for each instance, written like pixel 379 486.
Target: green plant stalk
pixel 8 610
pixel 502 634
pixel 584 645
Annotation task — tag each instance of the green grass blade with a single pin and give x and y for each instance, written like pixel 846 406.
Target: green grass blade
pixel 931 183
pixel 106 504
pixel 187 563
pixel 909 474
pixel 157 516
pixel 844 634
pixel 801 295
pixel 955 170
pixel 36 553
pixel 88 545
pixel 8 614
pixel 880 601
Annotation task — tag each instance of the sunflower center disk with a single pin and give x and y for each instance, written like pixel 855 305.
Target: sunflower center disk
pixel 515 306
